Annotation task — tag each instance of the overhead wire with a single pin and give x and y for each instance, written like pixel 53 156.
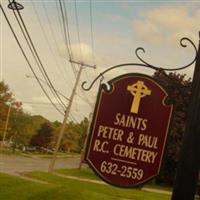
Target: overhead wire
pixel 38 103
pixel 79 41
pixel 58 63
pixel 78 30
pixel 27 60
pixel 59 19
pixel 92 33
pixel 40 66
pixel 53 33
pixel 66 35
pixel 92 37
pixel 78 35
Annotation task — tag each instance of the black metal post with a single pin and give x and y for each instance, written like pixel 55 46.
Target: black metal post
pixel 189 164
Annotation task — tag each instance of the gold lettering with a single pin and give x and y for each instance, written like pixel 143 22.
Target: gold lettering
pixel 144 125
pixel 117 117
pixel 100 146
pixel 96 145
pixel 115 149
pixel 110 133
pixel 134 153
pixel 148 141
pixel 103 149
pixel 130 121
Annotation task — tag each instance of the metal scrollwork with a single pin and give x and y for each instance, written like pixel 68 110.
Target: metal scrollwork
pixel 144 63
pixel 169 69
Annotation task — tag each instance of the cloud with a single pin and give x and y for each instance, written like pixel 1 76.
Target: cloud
pixel 80 52
pixel 116 18
pixel 27 108
pixel 167 24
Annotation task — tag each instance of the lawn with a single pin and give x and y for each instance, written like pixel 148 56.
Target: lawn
pixel 89 174
pixel 59 188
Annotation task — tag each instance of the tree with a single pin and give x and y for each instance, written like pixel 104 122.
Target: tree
pixel 74 135
pixel 43 137
pixel 179 90
pixel 6 98
pixel 19 129
pixel 70 138
pixel 83 133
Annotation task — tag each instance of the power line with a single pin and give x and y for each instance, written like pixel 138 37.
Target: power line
pixel 47 40
pixel 59 19
pixel 41 66
pixel 67 26
pixel 38 103
pixel 66 33
pixel 78 34
pixel 61 94
pixel 78 30
pixel 51 29
pixel 27 60
pixel 92 32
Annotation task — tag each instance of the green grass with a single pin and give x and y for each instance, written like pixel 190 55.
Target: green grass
pixel 83 173
pixel 14 188
pixel 89 174
pixel 59 188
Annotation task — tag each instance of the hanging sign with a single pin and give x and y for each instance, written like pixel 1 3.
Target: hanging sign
pixel 129 130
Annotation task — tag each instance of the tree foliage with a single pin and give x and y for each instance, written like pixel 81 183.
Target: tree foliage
pixel 74 136
pixel 5 100
pixel 179 90
pixel 24 129
pixel 43 136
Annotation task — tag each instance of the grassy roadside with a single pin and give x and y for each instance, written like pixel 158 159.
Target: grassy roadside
pixel 83 173
pixel 59 188
pixel 90 189
pixel 89 174
pixel 8 152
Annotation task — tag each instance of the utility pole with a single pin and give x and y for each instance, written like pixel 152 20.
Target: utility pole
pixel 52 163
pixel 6 126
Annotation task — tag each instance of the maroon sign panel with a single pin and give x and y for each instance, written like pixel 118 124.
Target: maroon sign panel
pixel 129 130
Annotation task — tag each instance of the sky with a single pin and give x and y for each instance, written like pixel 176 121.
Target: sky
pixel 118 28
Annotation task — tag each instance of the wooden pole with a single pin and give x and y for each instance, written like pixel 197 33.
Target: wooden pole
pixel 53 160
pixel 6 127
pixel 189 163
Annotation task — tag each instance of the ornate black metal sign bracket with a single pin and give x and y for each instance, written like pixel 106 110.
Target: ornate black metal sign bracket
pixel 145 64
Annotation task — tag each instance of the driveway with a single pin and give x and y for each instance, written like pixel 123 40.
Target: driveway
pixel 17 164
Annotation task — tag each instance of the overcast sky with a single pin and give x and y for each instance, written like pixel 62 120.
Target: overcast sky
pixel 119 27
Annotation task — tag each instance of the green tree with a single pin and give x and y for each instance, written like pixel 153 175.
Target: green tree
pixel 74 135
pixel 83 128
pixel 19 129
pixel 6 98
pixel 70 138
pixel 179 90
pixel 43 137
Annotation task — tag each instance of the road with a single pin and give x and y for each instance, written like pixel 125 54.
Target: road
pixel 18 164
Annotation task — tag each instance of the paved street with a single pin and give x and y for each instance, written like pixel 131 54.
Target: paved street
pixel 16 164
